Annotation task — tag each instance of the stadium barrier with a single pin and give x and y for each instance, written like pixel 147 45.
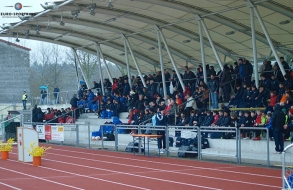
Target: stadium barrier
pixel 267 139
pixel 287 168
pixel 80 134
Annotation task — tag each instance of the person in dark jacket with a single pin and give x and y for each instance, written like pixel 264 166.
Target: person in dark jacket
pixel 274 84
pixel 253 96
pixel 278 122
pixel 126 88
pixel 208 120
pixel 74 101
pixel 246 123
pixel 247 71
pixel 226 120
pixel 213 86
pixel 225 82
pixel 220 120
pixel 235 100
pixel 161 121
pixel 233 120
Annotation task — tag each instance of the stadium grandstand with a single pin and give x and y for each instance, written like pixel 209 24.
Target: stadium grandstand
pixel 200 65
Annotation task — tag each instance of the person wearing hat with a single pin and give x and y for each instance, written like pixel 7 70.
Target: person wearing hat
pixel 24 100
pixel 161 120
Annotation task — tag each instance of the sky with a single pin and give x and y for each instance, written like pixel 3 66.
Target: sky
pixel 34 7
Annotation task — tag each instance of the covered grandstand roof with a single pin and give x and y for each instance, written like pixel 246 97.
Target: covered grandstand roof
pixel 228 22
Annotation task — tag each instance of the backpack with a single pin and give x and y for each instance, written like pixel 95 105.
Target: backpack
pixel 186 154
pixel 130 146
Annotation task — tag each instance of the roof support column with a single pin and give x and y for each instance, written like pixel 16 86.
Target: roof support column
pixel 162 64
pixel 135 62
pixel 103 58
pixel 170 56
pixel 267 36
pixel 254 47
pixel 203 58
pixel 127 63
pixel 84 77
pixel 101 73
pixel 76 70
pixel 210 40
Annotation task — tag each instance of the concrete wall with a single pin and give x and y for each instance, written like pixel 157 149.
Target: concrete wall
pixel 15 72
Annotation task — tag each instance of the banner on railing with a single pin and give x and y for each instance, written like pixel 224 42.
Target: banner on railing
pixel 48 132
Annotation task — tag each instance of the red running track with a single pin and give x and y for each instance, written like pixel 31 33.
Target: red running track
pixel 77 168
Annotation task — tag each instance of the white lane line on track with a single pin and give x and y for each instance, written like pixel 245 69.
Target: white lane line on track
pixel 14 171
pixel 124 173
pixel 79 175
pixel 170 164
pixel 9 186
pixel 195 175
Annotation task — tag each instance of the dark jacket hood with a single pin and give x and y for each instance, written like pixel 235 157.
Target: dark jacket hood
pixel 277 107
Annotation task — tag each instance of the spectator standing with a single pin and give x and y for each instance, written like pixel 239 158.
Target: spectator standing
pixel 167 79
pixel 161 121
pixel 56 94
pixel 213 86
pixel 24 100
pixel 225 82
pixel 44 96
pixel 278 121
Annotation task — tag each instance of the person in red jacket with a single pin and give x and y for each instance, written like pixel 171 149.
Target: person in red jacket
pixel 273 101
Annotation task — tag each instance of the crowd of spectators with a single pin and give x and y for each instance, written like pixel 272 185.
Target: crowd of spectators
pixel 233 85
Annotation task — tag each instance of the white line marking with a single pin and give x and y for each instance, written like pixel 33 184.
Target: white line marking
pixel 9 186
pixel 75 174
pixel 162 163
pixel 14 171
pixel 202 176
pixel 181 183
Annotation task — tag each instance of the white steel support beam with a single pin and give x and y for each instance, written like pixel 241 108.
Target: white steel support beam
pixel 162 64
pixel 211 41
pixel 101 73
pixel 127 63
pixel 170 56
pixel 106 65
pixel 267 36
pixel 254 47
pixel 76 70
pixel 78 61
pixel 203 58
pixel 135 62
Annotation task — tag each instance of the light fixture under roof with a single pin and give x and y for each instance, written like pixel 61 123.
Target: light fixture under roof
pixel 122 54
pixel 61 22
pixel 230 33
pixel 17 40
pixel 152 48
pixel 92 8
pixel 186 41
pixel 285 22
pixel 75 14
pixel 110 5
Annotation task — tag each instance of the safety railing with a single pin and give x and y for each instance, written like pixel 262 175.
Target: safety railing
pixel 52 98
pixel 80 134
pixel 267 139
pixel 223 130
pixel 287 170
